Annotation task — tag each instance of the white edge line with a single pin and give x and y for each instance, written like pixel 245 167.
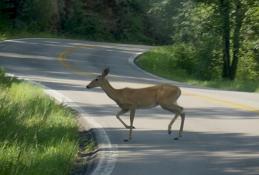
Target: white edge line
pixel 132 59
pixel 158 79
pixel 107 156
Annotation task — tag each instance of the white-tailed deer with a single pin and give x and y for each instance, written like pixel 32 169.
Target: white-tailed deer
pixel 130 99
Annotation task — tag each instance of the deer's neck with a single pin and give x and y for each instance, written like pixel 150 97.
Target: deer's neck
pixel 110 91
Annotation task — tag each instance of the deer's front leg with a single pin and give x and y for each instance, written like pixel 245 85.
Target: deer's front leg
pixel 123 111
pixel 182 124
pixel 132 115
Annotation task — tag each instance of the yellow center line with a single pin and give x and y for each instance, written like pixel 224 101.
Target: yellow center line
pixel 62 57
pixel 224 102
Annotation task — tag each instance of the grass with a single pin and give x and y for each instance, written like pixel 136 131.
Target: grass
pixel 24 34
pixel 37 136
pixel 15 34
pixel 160 61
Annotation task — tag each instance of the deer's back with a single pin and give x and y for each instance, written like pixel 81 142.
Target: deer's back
pixel 149 96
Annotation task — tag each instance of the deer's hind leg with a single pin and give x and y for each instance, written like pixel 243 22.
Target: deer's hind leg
pixel 132 115
pixel 123 111
pixel 178 110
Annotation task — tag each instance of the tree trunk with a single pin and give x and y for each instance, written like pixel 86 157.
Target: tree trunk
pixel 224 12
pixel 236 39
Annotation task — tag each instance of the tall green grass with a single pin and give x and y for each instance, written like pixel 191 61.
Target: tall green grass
pixel 37 136
pixel 164 61
pixel 14 34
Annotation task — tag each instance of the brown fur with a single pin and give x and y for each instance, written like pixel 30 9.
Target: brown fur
pixel 129 99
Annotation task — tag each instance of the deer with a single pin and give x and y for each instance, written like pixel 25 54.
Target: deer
pixel 129 100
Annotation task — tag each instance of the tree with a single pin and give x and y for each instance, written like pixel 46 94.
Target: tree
pixel 225 7
pixel 239 16
pixel 9 10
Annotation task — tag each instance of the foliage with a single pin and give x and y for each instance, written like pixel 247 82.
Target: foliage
pixel 200 25
pixel 161 61
pixel 37 136
pixel 38 15
pixel 217 40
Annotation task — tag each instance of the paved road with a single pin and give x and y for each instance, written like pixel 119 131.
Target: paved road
pixel 221 134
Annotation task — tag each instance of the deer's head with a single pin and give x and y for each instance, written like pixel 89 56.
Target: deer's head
pixel 98 81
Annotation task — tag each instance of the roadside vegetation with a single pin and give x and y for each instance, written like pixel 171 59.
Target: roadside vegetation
pixel 25 34
pixel 168 62
pixel 37 136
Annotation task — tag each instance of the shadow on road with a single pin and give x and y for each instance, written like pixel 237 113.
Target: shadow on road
pixel 196 153
pixel 38 58
pixel 206 112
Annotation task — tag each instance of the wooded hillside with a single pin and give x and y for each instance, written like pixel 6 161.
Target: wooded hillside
pixel 213 38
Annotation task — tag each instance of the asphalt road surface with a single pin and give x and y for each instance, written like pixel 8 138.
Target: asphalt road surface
pixel 221 133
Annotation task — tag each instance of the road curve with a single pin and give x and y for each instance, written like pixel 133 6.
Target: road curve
pixel 221 134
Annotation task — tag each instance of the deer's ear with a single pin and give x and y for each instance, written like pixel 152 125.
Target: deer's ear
pixel 105 72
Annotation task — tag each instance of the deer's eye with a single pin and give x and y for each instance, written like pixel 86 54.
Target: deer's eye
pixel 96 79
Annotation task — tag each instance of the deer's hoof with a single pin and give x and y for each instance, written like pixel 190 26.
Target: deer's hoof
pixel 169 132
pixel 176 138
pixel 126 140
pixel 129 127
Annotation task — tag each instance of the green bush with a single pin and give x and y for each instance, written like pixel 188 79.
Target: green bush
pixel 181 62
pixel 175 61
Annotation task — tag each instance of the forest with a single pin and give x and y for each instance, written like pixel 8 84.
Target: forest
pixel 202 39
